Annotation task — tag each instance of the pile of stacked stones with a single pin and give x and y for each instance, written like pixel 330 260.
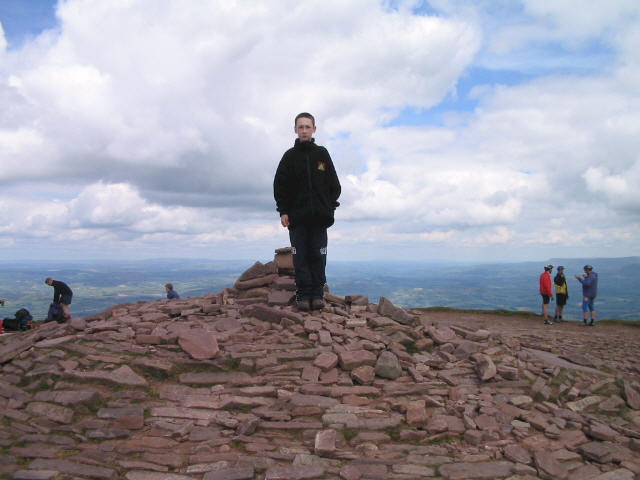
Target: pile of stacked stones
pixel 239 385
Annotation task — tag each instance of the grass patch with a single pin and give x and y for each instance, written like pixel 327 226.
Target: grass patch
pixel 539 398
pixel 411 348
pixel 154 373
pixel 429 348
pixel 394 432
pixel 96 404
pixel 193 367
pixel 624 413
pixel 559 380
pixel 244 409
pixel 69 452
pixel 237 445
pixel 619 323
pixel 349 434
pixel 500 312
pixel 71 353
pixel 521 314
pixel 99 384
pixel 232 363
pixel 444 439
pixel 46 385
pixel 294 433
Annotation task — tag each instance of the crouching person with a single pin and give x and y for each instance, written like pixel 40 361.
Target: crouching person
pixel 62 295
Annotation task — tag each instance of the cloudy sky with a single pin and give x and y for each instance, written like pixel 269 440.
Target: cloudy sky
pixel 469 130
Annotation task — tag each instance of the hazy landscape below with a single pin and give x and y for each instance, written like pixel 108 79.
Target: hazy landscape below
pixel 508 286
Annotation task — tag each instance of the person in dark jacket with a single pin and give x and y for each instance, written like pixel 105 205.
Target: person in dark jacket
pixel 171 293
pixel 62 294
pixel 306 189
pixel 562 292
pixel 589 283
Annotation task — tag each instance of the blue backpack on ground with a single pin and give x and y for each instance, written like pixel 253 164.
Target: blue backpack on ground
pixel 55 314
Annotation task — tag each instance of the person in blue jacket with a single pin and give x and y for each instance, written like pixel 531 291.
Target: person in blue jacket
pixel 589 281
pixel 171 293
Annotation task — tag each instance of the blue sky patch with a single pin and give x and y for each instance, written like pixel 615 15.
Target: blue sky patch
pixel 24 19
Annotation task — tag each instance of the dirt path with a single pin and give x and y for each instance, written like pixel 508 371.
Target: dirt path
pixel 617 347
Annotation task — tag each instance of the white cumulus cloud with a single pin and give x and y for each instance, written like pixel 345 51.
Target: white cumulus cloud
pixel 141 124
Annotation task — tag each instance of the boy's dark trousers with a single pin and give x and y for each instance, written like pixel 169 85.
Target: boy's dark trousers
pixel 309 244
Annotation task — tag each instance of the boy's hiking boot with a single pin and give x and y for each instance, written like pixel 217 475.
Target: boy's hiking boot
pixel 591 323
pixel 317 304
pixel 302 304
pixel 548 322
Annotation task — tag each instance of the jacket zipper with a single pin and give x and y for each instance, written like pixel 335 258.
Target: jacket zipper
pixel 310 185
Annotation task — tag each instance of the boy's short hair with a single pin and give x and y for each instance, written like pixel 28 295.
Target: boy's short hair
pixel 169 286
pixel 47 280
pixel 304 115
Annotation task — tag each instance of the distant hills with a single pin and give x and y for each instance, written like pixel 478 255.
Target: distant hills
pixel 487 286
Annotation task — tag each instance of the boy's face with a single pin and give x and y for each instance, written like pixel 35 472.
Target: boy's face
pixel 305 129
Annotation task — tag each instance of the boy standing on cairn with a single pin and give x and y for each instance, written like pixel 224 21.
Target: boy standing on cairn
pixel 306 190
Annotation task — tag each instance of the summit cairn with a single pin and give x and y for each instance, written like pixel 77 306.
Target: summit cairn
pixel 240 385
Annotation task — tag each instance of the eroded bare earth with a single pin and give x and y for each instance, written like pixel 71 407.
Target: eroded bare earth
pixel 239 385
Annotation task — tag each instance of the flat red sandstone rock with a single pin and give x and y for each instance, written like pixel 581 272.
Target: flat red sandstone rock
pixel 199 343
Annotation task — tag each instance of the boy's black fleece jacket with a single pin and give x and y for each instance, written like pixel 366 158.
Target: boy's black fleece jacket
pixel 306 185
pixel 59 289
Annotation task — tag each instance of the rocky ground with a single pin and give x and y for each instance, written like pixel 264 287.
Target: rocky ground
pixel 239 385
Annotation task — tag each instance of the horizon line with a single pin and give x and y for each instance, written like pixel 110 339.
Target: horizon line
pixel 377 260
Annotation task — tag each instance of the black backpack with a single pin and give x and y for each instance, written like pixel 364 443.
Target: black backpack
pixel 11 325
pixel 21 321
pixel 25 318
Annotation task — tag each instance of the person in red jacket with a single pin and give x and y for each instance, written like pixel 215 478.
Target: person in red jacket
pixel 546 292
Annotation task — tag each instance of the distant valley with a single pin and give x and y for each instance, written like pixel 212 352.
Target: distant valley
pixel 507 286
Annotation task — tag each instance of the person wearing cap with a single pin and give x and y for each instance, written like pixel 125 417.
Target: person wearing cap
pixel 546 292
pixel 562 292
pixel 589 281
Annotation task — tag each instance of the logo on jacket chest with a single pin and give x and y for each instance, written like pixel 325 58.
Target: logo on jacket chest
pixel 322 166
